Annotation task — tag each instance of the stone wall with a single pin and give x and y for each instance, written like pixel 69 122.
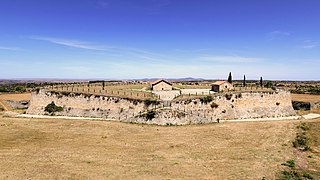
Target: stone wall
pixel 226 106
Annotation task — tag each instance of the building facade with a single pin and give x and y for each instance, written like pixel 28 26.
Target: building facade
pixel 221 86
pixel 161 85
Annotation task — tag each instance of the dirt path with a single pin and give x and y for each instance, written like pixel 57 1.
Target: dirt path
pixel 309 116
pixel 59 117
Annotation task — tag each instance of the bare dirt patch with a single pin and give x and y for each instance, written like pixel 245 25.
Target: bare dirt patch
pixel 79 149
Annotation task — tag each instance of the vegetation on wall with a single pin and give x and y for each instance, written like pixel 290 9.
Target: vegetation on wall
pixel 149 102
pixel 52 108
pixel 149 115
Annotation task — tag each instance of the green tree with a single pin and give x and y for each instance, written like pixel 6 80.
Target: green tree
pixel 52 108
pixel 269 84
pixel 230 78
pixel 244 80
pixel 261 82
pixel 20 89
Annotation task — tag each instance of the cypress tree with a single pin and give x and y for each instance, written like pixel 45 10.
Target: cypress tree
pixel 103 84
pixel 261 81
pixel 230 78
pixel 244 80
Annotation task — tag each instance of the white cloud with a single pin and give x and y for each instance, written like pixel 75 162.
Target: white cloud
pixel 309 44
pixel 277 35
pixel 70 43
pixel 11 48
pixel 227 59
pixel 111 50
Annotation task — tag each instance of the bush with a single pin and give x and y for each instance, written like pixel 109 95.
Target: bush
pixel 206 99
pixel 20 89
pixel 52 108
pixel 214 105
pixel 307 175
pixel 150 115
pixel 228 96
pixel 3 89
pixel 289 163
pixel 148 102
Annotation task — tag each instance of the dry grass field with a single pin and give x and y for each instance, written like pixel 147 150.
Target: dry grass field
pixel 82 149
pixel 13 97
pixel 305 97
pixel 313 156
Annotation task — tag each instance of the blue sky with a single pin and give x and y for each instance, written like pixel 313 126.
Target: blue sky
pixel 120 39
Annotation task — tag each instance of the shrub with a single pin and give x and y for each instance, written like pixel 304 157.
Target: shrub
pixel 228 96
pixel 307 175
pixel 20 89
pixel 3 89
pixel 289 163
pixel 66 93
pixel 148 102
pixel 150 115
pixel 181 115
pixel 214 105
pixel 52 108
pixel 206 99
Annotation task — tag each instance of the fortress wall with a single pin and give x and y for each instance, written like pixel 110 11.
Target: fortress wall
pixel 235 106
pixel 82 105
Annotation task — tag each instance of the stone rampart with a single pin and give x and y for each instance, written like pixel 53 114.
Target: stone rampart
pixel 235 105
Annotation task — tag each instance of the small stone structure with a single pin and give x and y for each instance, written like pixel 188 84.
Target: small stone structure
pixel 161 85
pixel 200 109
pixel 221 86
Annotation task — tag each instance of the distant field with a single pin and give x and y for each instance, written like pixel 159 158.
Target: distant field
pixel 15 97
pixel 78 149
pixel 305 97
pixel 12 97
